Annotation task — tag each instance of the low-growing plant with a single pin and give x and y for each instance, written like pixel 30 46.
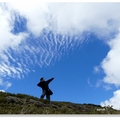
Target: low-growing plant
pixel 55 107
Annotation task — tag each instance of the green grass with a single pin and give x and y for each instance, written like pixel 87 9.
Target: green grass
pixel 24 107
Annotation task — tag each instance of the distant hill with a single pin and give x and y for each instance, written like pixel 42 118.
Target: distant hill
pixel 25 104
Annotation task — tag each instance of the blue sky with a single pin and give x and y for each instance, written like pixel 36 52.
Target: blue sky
pixel 78 47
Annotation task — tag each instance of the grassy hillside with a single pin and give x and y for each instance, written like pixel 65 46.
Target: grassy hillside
pixel 26 104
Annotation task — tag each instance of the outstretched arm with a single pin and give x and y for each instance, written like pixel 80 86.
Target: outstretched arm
pixel 48 81
pixel 39 84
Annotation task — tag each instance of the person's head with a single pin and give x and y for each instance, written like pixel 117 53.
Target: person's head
pixel 42 79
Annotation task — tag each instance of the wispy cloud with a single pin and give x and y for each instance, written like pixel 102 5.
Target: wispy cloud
pixel 96 69
pixel 89 83
pixel 99 83
pixel 5 84
pixel 107 87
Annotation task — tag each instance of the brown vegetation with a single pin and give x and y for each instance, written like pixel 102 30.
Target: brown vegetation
pixel 26 104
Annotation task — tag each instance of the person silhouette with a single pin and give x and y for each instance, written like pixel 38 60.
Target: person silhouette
pixel 46 91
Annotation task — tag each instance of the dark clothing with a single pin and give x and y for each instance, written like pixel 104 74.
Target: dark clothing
pixel 44 84
pixel 45 88
pixel 43 95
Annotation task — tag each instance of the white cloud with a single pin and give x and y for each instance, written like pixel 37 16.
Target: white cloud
pixel 2 90
pixel 5 84
pixel 7 38
pixel 111 64
pixel 80 17
pixel 35 13
pixel 114 101
pixel 65 18
pixel 69 17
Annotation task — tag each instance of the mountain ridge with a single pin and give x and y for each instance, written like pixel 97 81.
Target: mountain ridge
pixel 11 103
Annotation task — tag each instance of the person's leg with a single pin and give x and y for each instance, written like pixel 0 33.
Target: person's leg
pixel 43 94
pixel 48 97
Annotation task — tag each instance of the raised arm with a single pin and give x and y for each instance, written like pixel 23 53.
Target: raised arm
pixel 48 81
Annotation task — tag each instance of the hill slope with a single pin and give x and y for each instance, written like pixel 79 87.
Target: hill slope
pixel 26 104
